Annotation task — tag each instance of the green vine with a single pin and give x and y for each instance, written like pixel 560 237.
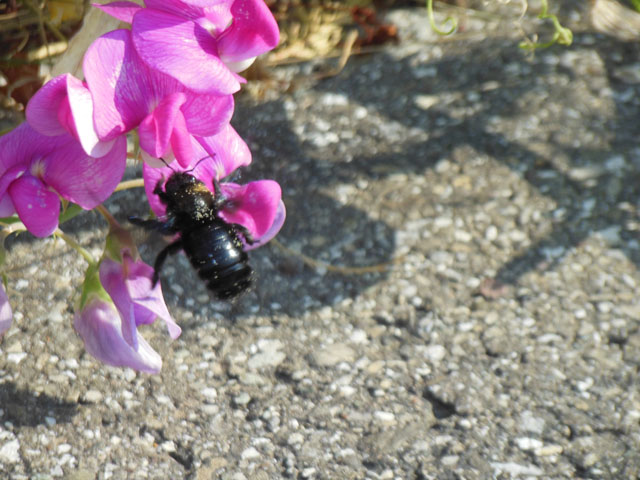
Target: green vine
pixel 432 21
pixel 561 35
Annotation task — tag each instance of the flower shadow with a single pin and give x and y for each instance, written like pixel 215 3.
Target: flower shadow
pixel 24 408
pixel 488 100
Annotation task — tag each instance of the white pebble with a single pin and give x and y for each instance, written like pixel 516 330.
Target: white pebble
pixel 358 336
pixel 168 446
pixel 250 453
pixel 384 417
pixel 64 448
pixel 9 452
pixel 209 393
pixel 295 439
pixel 435 353
pixel 528 443
pixel 16 357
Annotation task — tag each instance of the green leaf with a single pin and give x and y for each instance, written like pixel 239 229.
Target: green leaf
pixel 69 211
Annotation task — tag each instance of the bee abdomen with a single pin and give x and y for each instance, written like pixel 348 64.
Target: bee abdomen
pixel 216 252
pixel 228 282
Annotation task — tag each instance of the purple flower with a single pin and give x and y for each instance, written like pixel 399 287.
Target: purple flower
pixel 35 170
pixel 257 205
pixel 63 105
pixel 128 94
pixel 116 300
pixel 201 43
pixel 6 315
pixel 99 326
pixel 139 302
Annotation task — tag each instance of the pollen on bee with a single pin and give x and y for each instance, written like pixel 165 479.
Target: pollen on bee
pixel 199 188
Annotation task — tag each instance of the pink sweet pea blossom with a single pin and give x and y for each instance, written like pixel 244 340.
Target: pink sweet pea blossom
pixel 127 94
pixel 64 105
pixel 117 298
pixel 201 43
pixel 99 326
pixel 35 170
pixel 257 205
pixel 6 315
pixel 138 302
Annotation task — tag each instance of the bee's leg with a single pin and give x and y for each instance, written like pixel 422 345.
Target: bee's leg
pixel 219 200
pixel 164 198
pixel 151 224
pixel 244 231
pixel 170 249
pixel 165 228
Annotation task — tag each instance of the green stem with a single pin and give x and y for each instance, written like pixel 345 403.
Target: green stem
pixel 14 227
pixel 76 246
pixel 562 35
pixel 106 214
pixel 432 21
pixel 9 227
pixel 126 185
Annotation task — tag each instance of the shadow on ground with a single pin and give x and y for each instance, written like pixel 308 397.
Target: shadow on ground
pixel 24 408
pixel 493 80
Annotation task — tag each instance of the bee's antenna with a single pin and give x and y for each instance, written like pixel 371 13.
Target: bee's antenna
pixel 198 163
pixel 168 165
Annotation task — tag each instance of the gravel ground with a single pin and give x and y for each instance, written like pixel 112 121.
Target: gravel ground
pixel 503 342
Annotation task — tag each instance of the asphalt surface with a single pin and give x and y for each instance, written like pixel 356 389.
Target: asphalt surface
pixel 495 196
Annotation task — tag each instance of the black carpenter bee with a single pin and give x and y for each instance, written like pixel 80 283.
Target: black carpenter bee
pixel 213 246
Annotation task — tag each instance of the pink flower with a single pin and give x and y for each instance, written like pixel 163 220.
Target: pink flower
pixel 116 300
pixel 6 315
pixel 128 94
pixel 201 43
pixel 35 170
pixel 99 326
pixel 257 205
pixel 137 300
pixel 63 105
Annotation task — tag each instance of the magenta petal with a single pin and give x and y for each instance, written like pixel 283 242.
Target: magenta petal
pixel 155 130
pixel 278 221
pixel 254 31
pixel 178 7
pixel 217 18
pixel 228 150
pixel 207 114
pixel 36 205
pixel 9 176
pixel 152 176
pixel 63 105
pixel 138 283
pixel 6 207
pixel 6 315
pixel 183 50
pixel 99 327
pixel 123 11
pixel 23 144
pixel 85 180
pixel 205 3
pixel 81 106
pixel 253 205
pixel 121 87
pixel 181 142
pixel 42 110
pixel 112 279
